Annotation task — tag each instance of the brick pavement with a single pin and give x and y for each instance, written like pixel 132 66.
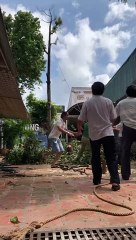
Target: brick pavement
pixel 46 193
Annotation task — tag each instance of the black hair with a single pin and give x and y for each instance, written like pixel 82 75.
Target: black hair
pixel 97 88
pixel 131 91
pixel 64 114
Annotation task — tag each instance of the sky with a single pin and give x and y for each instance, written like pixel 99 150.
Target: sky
pixel 96 38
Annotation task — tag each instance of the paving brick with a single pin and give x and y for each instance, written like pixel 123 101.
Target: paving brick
pixel 41 198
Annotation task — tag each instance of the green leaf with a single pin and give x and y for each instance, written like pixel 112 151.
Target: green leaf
pixel 14 220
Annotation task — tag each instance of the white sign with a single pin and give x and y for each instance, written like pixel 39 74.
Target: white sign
pixel 34 127
pixel 78 95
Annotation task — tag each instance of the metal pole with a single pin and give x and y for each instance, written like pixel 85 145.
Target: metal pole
pixel 48 79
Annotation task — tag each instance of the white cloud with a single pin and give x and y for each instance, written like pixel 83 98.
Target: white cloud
pixel 12 11
pixel 112 39
pixel 39 92
pixel 77 53
pixel 78 15
pixel 75 4
pixel 61 12
pixel 112 68
pixel 120 11
pixel 20 7
pixel 104 78
pixel 7 9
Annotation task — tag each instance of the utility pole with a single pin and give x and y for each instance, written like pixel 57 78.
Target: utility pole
pixel 54 24
pixel 48 78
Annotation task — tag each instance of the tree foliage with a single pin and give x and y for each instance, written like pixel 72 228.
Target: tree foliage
pixel 38 109
pixel 27 46
pixel 12 131
pixel 56 23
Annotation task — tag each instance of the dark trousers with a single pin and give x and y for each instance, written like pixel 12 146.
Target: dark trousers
pixel 128 137
pixel 108 144
pixel 118 141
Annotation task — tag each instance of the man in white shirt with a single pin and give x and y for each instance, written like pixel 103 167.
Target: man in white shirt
pixel 55 142
pixel 99 112
pixel 126 113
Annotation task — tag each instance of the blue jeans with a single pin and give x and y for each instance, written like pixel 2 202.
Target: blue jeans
pixel 108 144
pixel 56 145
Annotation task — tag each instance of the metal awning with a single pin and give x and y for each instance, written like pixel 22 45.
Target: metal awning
pixel 11 104
pixel 75 109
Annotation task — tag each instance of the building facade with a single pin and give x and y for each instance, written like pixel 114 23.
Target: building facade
pixel 78 95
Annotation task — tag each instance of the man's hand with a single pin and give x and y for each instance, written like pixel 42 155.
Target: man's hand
pixel 115 128
pixel 76 134
pixel 70 134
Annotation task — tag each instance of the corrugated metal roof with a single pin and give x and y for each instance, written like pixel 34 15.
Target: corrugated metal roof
pixel 11 104
pixel 125 76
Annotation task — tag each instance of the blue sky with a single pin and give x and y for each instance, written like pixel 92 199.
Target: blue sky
pixel 93 42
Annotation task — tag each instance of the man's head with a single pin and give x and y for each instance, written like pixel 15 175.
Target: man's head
pixel 131 91
pixel 97 88
pixel 64 115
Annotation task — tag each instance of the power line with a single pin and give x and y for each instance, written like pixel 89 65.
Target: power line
pixel 64 79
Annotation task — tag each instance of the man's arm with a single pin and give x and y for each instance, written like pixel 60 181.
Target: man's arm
pixel 81 119
pixel 79 126
pixel 66 131
pixel 113 114
pixel 116 121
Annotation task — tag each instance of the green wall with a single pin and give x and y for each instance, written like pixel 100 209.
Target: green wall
pixel 125 76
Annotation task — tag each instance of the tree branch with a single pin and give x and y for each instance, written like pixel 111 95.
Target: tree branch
pixel 46 13
pixel 45 21
pixel 46 52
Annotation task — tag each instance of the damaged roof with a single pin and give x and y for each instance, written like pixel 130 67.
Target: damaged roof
pixel 11 104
